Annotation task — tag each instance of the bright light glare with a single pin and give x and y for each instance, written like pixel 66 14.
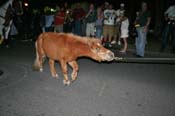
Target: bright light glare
pixel 26 4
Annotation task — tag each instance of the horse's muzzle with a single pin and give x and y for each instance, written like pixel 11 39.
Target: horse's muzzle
pixel 110 56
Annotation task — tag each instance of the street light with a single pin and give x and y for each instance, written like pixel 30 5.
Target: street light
pixel 26 4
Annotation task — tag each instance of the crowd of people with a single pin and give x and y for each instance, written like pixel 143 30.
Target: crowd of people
pixel 109 24
pixel 103 21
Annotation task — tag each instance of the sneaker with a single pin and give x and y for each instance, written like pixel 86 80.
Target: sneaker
pixel 122 51
pixel 139 56
pixel 119 43
pixel 113 42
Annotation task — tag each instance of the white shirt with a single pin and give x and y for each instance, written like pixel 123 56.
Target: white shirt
pixel 109 17
pixel 171 11
pixel 119 11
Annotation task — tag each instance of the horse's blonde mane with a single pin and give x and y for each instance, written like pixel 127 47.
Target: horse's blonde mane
pixel 81 39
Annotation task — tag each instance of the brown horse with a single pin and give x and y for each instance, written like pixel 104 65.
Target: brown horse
pixel 66 48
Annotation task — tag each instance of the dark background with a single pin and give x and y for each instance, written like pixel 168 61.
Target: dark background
pixel 157 7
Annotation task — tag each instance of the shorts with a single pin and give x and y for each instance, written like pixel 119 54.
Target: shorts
pixel 108 30
pixel 124 33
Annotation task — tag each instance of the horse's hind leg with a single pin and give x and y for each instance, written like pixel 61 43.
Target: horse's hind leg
pixel 38 64
pixel 52 68
pixel 41 56
pixel 74 66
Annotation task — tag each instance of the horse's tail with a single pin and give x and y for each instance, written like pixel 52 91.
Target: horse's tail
pixel 39 54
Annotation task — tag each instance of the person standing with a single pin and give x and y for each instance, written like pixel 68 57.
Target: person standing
pixel 99 22
pixel 109 22
pixel 117 25
pixel 8 12
pixel 124 29
pixel 67 28
pixel 142 23
pixel 90 19
pixel 169 28
pixel 59 20
pixel 78 15
pixel 49 19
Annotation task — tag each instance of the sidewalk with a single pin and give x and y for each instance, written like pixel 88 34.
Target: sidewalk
pixel 152 48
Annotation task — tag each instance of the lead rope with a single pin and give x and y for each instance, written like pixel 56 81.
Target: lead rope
pixel 118 58
pixel 146 60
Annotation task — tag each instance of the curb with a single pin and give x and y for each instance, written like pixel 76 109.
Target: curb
pixel 155 53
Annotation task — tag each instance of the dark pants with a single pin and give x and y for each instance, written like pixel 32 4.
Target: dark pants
pixel 67 28
pixel 49 29
pixel 78 29
pixel 169 29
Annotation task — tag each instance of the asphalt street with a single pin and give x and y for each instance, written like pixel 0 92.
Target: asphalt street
pixel 102 89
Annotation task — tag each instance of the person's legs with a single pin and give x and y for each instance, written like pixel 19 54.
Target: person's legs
pixel 88 29
pixel 105 33
pixel 55 29
pixel 115 35
pixel 48 29
pixel 97 32
pixel 165 37
pixel 138 40
pixel 173 35
pixel 92 29
pixel 142 44
pixel 111 32
pixel 78 27
pixel 125 45
pixel 61 28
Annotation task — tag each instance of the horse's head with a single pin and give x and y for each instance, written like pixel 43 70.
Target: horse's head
pixel 100 52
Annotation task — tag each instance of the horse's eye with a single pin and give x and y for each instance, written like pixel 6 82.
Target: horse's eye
pixel 97 49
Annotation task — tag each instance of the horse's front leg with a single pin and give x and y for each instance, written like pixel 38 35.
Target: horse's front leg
pixel 65 72
pixel 74 66
pixel 52 68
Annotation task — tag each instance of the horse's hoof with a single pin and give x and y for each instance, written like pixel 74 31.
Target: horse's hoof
pixel 41 69
pixel 73 80
pixel 56 76
pixel 66 82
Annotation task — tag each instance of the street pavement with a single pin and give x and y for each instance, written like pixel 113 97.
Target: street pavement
pixel 102 89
